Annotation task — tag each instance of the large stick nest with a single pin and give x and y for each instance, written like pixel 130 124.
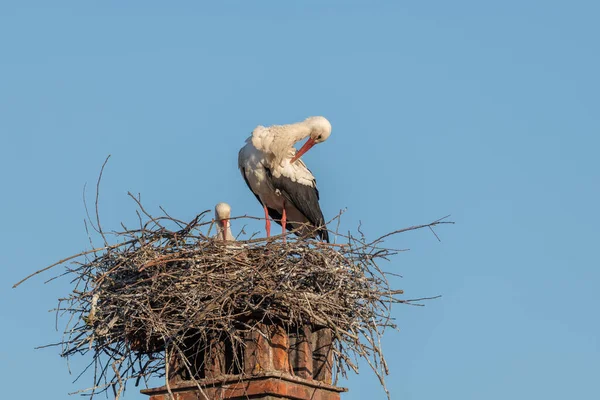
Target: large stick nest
pixel 158 287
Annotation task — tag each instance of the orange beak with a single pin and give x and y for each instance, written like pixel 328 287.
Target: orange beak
pixel 307 146
pixel 224 222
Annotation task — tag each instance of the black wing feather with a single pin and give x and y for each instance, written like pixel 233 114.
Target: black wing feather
pixel 305 198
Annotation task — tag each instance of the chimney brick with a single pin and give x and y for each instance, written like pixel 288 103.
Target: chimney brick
pixel 272 364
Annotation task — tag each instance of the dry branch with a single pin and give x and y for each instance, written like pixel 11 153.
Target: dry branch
pixel 137 302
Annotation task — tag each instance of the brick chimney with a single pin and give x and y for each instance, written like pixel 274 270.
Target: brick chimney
pixel 272 363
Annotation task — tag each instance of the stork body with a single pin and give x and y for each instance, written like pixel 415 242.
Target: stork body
pixel 280 181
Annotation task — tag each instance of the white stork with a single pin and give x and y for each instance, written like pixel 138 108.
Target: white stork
pixel 222 216
pixel 278 178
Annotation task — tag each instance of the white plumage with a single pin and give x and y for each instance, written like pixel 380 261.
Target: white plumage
pixel 279 179
pixel 222 216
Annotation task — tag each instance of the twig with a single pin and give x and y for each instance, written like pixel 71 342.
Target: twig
pixel 139 302
pixel 97 197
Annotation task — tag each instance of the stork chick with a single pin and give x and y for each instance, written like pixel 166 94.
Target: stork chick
pixel 222 216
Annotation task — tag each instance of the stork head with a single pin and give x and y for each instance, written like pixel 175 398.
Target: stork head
pixel 222 215
pixel 320 129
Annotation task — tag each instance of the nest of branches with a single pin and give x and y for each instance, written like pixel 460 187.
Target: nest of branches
pixel 135 302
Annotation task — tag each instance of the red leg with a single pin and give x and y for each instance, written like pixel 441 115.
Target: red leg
pixel 283 221
pixel 268 222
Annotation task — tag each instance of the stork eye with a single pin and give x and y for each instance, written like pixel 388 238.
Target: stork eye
pixel 319 137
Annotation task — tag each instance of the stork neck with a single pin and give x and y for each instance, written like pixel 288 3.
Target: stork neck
pixel 300 131
pixel 286 137
pixel 293 133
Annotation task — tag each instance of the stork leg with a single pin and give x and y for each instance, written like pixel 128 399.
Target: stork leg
pixel 283 221
pixel 268 222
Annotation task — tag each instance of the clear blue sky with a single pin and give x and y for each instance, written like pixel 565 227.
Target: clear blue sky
pixel 488 111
